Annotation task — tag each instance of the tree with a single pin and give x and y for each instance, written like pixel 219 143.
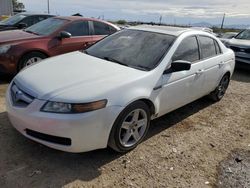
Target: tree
pixel 17 5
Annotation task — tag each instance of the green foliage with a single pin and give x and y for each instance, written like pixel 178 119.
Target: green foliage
pixel 121 22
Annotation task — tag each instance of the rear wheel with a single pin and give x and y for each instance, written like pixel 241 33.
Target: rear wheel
pixel 31 58
pixel 130 127
pixel 220 91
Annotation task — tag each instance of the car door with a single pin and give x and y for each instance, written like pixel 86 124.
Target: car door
pixel 180 88
pixel 213 62
pixel 80 38
pixel 101 30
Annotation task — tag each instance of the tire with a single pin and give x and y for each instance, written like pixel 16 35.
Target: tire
pixel 130 127
pixel 30 58
pixel 220 90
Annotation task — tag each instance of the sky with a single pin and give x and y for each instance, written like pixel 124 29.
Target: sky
pixel 172 11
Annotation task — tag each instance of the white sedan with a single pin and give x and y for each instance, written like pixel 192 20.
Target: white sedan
pixel 107 95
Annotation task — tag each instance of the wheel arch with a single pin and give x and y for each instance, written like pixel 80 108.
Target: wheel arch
pixel 28 52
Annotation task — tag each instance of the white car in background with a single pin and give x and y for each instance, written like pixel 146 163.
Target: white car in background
pixel 107 95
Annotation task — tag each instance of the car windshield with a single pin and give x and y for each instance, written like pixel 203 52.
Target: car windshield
pixel 244 35
pixel 46 27
pixel 13 20
pixel 228 35
pixel 138 49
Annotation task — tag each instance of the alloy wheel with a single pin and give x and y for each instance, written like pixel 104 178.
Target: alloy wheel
pixel 133 128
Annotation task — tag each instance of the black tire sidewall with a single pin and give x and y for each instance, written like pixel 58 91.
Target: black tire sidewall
pixel 114 141
pixel 215 94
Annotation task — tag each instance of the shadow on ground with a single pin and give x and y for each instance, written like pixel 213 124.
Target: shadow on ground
pixel 241 75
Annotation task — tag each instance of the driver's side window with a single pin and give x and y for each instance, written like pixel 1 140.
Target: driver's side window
pixel 188 50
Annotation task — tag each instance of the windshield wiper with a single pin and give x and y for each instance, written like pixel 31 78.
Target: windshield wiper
pixel 31 32
pixel 115 61
pixel 141 67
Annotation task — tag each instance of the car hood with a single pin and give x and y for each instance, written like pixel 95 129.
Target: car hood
pixel 239 42
pixel 15 35
pixel 75 77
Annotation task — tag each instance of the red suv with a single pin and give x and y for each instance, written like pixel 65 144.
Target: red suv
pixel 54 36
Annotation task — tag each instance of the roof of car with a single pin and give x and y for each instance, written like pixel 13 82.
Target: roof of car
pixel 72 18
pixel 35 14
pixel 176 31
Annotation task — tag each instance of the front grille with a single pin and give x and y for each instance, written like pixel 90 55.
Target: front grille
pixel 19 97
pixel 240 49
pixel 49 138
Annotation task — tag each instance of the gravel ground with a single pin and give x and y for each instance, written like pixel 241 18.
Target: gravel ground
pixel 200 145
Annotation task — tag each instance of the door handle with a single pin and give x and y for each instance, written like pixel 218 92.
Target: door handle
pixel 222 63
pixel 199 72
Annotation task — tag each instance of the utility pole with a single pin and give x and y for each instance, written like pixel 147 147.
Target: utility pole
pixel 223 20
pixel 160 20
pixel 48 8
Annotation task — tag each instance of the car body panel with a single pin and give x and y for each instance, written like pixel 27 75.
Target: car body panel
pixel 79 78
pixel 22 43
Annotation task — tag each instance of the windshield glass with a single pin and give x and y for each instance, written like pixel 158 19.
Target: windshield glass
pixel 228 35
pixel 13 20
pixel 138 49
pixel 46 27
pixel 245 35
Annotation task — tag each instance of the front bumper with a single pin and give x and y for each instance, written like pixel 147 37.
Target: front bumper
pixel 88 131
pixel 8 64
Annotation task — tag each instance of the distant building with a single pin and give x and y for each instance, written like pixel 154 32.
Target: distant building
pixel 6 7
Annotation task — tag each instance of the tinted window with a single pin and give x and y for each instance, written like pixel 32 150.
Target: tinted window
pixel 137 49
pixel 46 27
pixel 78 28
pixel 217 47
pixel 31 20
pixel 207 47
pixel 188 50
pixel 101 28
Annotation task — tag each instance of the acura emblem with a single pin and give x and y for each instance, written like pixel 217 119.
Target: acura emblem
pixel 18 95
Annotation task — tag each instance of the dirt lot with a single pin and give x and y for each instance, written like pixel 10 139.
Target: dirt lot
pixel 200 145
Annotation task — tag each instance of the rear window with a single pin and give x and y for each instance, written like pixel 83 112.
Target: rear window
pixel 207 47
pixel 102 29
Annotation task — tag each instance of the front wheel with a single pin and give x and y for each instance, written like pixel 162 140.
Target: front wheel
pixel 220 91
pixel 130 127
pixel 31 58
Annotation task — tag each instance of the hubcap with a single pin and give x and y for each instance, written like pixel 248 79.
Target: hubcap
pixel 223 86
pixel 133 127
pixel 32 61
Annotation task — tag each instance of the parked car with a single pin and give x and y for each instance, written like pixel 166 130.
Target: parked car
pixel 240 44
pixel 22 20
pixel 54 36
pixel 107 95
pixel 225 37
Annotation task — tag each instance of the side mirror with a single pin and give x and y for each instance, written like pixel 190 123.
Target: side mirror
pixel 178 66
pixel 22 25
pixel 64 35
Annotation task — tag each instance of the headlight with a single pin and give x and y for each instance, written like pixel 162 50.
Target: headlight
pixel 66 108
pixel 4 48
